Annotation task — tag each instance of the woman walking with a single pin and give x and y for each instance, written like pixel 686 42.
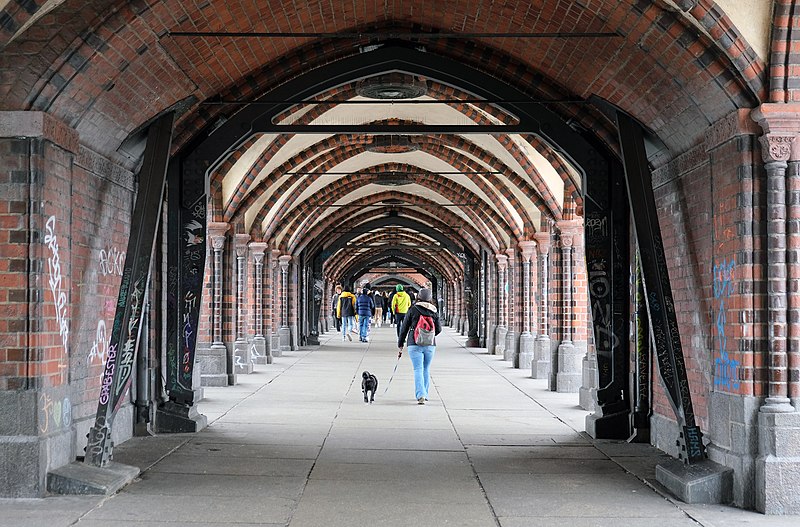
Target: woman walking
pixel 420 326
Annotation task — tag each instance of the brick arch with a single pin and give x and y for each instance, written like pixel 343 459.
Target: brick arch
pixel 459 161
pixel 342 258
pixel 784 52
pixel 411 254
pixel 428 215
pixel 125 48
pixel 487 229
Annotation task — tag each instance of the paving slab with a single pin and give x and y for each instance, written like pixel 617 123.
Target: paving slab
pixel 172 484
pixel 202 464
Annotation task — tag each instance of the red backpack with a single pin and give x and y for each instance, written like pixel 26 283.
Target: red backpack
pixel 424 331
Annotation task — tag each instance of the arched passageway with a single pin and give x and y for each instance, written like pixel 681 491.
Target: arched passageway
pixel 580 184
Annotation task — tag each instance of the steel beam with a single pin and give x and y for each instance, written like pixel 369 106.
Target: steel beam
pixel 125 334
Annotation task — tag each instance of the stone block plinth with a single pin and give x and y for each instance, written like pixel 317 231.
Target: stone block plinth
pixel 258 350
pixel 213 365
pixel 511 350
pixel 778 463
pixel 569 376
pixel 540 368
pixel 526 351
pixel 500 341
pixel 702 482
pixel 242 358
pixel 80 478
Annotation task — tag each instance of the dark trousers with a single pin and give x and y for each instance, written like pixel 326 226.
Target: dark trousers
pixel 398 318
pixel 338 323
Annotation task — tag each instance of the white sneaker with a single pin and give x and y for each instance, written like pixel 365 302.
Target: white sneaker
pixel 349 337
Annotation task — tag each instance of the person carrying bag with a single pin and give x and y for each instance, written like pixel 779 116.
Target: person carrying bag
pixel 420 327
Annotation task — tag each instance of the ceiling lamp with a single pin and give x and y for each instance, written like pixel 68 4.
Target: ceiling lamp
pixel 392 86
pixel 392 179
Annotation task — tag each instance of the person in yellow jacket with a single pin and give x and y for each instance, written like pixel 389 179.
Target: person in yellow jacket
pixel 400 305
pixel 346 310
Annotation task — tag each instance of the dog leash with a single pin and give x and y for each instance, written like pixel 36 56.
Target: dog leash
pixel 392 377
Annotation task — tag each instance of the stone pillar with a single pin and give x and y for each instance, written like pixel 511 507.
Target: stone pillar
pixel 275 302
pixel 569 376
pixel 292 305
pixel 284 333
pixel 526 340
pixel 540 368
pixel 502 311
pixel 260 348
pixel 216 364
pixel 511 348
pixel 778 463
pixel 241 351
pixel 456 313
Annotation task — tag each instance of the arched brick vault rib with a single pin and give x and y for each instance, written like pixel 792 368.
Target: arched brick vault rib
pixel 303 161
pixel 411 254
pixel 384 239
pixel 442 220
pixel 117 43
pixel 344 259
pixel 450 264
pixel 487 231
pixel 492 221
pixel 334 158
pixel 784 52
pixel 458 161
pixel 469 238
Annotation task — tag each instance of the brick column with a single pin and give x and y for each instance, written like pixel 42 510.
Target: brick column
pixel 526 339
pixel 274 298
pixel 540 367
pixel 216 364
pixel 568 376
pixel 778 465
pixel 511 316
pixel 284 333
pixel 502 311
pixel 260 348
pixel 241 350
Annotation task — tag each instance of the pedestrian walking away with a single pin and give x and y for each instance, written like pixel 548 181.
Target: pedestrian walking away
pixel 335 306
pixel 400 306
pixel 365 308
pixel 378 299
pixel 420 327
pixel 346 310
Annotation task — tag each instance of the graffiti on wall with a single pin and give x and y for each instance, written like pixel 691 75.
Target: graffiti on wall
pixel 99 351
pixel 54 415
pixel 57 289
pixel 726 370
pixel 112 261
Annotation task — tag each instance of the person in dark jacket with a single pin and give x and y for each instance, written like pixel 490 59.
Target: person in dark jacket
pixel 335 305
pixel 365 307
pixel 421 356
pixel 346 310
pixel 377 297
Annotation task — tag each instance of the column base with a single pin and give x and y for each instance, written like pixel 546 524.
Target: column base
pixel 540 367
pixel 242 357
pixel 81 479
pixel 285 339
pixel 275 345
pixel 213 365
pixel 589 383
pixel 569 376
pixel 778 463
pixel 611 426
pixel 258 350
pixel 175 418
pixel 490 340
pixel 500 341
pixel 293 337
pixel 702 482
pixel 526 351
pixel 511 346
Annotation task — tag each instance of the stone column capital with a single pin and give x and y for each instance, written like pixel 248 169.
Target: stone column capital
pixel 781 125
pixel 566 241
pixel 284 261
pixel 512 253
pixel 502 261
pixel 240 242
pixel 257 251
pixel 542 242
pixel 528 249
pixel 274 254
pixel 216 232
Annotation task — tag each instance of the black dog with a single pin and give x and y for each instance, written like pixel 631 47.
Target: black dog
pixel 369 384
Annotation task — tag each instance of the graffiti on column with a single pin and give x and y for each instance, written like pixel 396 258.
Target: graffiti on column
pixel 726 370
pixel 112 261
pixel 57 289
pixel 129 347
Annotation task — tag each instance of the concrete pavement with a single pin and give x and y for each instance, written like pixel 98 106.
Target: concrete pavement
pixel 294 444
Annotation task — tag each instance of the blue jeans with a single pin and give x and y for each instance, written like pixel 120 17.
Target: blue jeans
pixel 421 357
pixel 363 326
pixel 347 323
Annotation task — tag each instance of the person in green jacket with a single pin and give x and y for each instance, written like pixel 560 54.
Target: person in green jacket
pixel 400 305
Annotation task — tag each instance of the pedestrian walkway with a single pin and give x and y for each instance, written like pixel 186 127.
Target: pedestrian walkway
pixel 294 444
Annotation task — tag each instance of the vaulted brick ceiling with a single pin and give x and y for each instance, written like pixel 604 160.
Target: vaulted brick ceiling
pixel 108 67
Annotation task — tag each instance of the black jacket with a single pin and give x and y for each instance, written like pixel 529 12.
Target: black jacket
pixel 410 322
